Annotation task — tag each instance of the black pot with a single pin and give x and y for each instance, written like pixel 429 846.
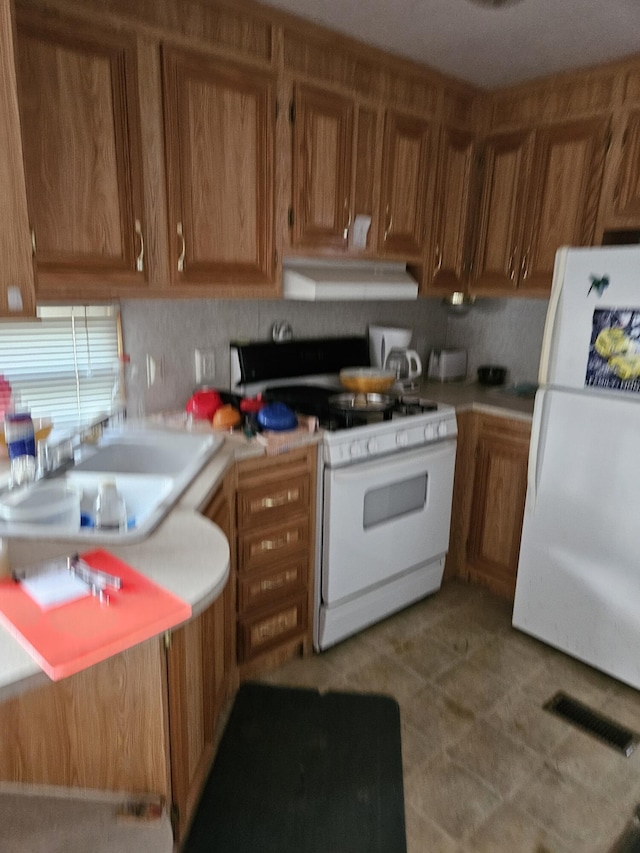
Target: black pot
pixel 492 374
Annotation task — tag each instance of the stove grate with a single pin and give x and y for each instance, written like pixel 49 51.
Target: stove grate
pixel 605 729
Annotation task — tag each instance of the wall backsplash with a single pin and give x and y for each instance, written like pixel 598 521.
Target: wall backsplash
pixel 500 331
pixel 171 330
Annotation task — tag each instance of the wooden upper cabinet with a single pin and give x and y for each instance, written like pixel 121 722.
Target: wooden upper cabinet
pixel 219 138
pixel 403 202
pixel 505 164
pixel 563 200
pixel 17 278
pixel 80 138
pixel 540 191
pixel 448 265
pixel 322 154
pixel 626 191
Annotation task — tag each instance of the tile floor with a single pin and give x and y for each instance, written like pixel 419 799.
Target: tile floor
pixel 485 768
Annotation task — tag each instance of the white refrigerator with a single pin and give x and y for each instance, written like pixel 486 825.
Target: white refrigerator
pixel 578 584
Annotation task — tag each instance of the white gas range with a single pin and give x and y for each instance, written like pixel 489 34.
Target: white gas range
pixel 385 480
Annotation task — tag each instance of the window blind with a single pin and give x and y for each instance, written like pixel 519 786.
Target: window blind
pixel 63 365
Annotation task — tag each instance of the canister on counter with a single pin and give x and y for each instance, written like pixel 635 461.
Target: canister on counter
pixel 21 445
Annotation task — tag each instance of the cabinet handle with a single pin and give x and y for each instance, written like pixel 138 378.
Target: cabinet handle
pixel 266 586
pixel 140 258
pixel 389 220
pixel 183 248
pixel 345 233
pixel 524 266
pixel 33 242
pixel 510 269
pixel 438 266
pixel 279 500
pixel 272 544
pixel 276 626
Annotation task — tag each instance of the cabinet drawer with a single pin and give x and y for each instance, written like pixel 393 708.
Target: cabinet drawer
pixel 264 547
pixel 264 588
pixel 273 502
pixel 267 630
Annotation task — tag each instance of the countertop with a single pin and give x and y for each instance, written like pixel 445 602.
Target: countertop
pixel 466 396
pixel 188 554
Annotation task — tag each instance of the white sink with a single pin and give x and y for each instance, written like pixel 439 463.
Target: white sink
pixel 140 451
pixel 151 469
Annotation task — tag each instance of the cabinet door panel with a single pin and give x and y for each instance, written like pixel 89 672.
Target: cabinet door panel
pixel 17 278
pixel 366 189
pixel 627 189
pixel 497 507
pixel 219 144
pixel 323 139
pixel 404 184
pixel 452 209
pixel 567 174
pixel 506 161
pixel 78 91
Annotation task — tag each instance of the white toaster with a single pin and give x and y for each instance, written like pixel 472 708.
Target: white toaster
pixel 447 365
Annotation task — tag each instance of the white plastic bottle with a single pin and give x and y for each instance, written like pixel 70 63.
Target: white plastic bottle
pixel 110 511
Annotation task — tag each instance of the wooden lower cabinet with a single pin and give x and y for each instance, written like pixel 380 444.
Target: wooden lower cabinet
pixel 275 504
pixel 489 497
pixel 142 722
pixel 147 721
pixel 200 677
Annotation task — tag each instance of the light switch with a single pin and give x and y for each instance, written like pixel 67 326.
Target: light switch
pixel 205 364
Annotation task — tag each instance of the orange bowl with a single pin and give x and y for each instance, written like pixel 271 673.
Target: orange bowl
pixel 226 417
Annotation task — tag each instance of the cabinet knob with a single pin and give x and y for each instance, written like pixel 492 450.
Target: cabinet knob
pixel 345 232
pixel 438 265
pixel 140 258
pixel 183 247
pixel 389 225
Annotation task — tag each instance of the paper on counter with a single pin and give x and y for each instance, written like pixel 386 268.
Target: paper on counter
pixel 54 586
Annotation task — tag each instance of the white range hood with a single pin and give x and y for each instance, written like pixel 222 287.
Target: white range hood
pixel 316 280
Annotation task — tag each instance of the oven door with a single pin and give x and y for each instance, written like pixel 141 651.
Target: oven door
pixel 385 517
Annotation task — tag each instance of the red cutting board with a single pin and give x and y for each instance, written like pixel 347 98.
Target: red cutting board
pixel 75 635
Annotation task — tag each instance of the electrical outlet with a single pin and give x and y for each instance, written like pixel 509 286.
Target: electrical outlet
pixel 205 362
pixel 155 370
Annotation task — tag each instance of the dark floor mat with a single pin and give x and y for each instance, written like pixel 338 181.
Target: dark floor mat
pixel 302 772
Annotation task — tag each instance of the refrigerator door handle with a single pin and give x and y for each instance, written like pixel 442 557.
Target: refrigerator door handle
pixel 537 436
pixel 554 300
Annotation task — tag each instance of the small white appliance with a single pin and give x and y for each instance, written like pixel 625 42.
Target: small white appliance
pixel 578 583
pixel 382 339
pixel 447 365
pixel 406 365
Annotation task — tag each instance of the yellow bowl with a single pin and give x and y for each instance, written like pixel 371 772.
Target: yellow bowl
pixel 367 380
pixel 42 428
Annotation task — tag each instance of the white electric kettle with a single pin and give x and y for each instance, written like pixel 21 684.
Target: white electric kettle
pixel 406 365
pixel 382 339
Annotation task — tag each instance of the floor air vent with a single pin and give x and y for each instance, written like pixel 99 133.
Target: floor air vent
pixel 605 729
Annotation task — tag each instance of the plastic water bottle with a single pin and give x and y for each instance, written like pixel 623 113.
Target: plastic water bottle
pixel 21 445
pixel 110 511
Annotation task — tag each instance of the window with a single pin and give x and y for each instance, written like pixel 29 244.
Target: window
pixel 63 365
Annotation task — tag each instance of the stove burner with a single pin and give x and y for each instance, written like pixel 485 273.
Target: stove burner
pixel 341 411
pixel 407 406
